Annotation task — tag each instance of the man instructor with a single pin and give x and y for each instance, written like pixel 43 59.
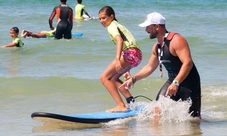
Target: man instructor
pixel 172 51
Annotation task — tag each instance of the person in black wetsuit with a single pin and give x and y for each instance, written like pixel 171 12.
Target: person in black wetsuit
pixel 171 50
pixel 64 20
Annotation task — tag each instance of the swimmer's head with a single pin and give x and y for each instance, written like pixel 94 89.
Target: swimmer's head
pixel 15 29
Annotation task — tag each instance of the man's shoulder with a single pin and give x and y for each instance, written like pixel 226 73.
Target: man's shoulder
pixel 171 35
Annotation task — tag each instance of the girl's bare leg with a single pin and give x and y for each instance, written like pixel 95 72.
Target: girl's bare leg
pixel 110 81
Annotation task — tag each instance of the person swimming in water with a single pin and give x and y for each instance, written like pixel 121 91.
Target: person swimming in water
pixel 41 34
pixel 14 31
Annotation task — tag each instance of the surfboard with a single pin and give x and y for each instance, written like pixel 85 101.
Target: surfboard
pixel 89 118
pixel 79 34
pixel 74 35
pixel 86 18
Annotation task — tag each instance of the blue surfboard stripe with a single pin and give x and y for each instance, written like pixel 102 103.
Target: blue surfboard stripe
pixel 101 115
pixel 79 34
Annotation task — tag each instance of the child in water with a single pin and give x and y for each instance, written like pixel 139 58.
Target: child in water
pixel 128 55
pixel 16 40
pixel 79 10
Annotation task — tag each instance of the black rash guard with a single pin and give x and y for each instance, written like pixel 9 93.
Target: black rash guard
pixel 189 88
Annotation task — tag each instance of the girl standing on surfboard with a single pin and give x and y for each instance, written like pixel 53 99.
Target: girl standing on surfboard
pixel 128 55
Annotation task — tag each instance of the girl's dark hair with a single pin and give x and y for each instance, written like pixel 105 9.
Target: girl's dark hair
pixel 109 11
pixel 15 29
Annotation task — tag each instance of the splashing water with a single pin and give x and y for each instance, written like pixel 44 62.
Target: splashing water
pixel 164 111
pixel 167 110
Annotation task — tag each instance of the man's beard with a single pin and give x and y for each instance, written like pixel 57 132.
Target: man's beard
pixel 153 35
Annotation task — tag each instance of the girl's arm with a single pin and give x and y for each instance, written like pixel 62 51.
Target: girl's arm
pixel 10 45
pixel 119 45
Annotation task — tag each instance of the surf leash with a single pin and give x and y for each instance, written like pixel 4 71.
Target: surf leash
pixel 143 97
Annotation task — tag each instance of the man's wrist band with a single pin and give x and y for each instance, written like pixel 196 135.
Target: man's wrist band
pixel 133 79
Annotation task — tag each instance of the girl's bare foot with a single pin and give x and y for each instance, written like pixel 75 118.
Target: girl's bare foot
pixel 118 109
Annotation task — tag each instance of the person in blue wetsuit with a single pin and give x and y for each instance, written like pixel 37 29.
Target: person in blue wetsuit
pixel 14 31
pixel 64 20
pixel 172 51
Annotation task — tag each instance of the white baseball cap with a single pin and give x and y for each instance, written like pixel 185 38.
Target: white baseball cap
pixel 153 18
